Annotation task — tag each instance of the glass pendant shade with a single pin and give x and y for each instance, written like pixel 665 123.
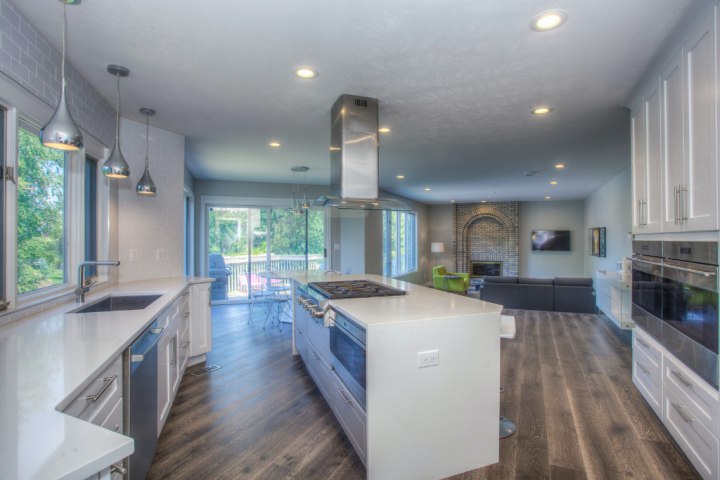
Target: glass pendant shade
pixel 146 186
pixel 61 132
pixel 115 166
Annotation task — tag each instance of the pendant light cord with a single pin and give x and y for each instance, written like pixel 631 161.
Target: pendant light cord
pixel 64 33
pixel 147 140
pixel 117 111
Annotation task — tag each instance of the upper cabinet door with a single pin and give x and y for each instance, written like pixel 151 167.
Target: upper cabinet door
pixel 639 173
pixel 652 209
pixel 698 199
pixel 673 162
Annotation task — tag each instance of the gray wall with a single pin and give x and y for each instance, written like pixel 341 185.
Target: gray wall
pixel 441 229
pixel 567 215
pixel 609 206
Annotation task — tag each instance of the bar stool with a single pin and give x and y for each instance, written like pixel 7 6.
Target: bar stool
pixel 507 330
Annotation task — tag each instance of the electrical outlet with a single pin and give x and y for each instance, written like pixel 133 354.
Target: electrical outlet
pixel 430 358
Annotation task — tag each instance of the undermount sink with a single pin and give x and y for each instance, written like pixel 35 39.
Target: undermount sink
pixel 116 303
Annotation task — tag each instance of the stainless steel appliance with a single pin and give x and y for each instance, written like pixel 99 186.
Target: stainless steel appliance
pixel 142 411
pixel 348 355
pixel 354 165
pixel 354 289
pixel 675 299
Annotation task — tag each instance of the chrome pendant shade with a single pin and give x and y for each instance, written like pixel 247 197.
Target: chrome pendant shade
pixel 299 204
pixel 61 132
pixel 115 166
pixel 146 186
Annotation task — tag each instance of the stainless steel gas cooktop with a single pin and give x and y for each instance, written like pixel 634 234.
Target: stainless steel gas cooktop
pixel 354 289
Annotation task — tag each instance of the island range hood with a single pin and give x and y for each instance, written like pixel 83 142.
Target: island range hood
pixel 354 166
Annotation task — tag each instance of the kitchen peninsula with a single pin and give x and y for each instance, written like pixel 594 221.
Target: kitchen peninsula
pixel 431 380
pixel 54 364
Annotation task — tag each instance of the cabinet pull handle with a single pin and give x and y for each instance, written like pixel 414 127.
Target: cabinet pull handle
pixel 683 203
pixel 682 379
pixel 642 342
pixel 317 357
pixel 678 409
pixel 342 394
pixel 643 368
pixel 639 213
pixel 675 206
pixel 107 382
pixel 118 469
pixel 117 427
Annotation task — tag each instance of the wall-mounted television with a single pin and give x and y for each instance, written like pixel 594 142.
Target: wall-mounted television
pixel 550 240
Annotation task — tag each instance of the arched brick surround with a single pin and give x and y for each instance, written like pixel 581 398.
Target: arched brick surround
pixel 487 232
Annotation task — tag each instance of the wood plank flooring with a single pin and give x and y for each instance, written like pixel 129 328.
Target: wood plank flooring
pixel 567 387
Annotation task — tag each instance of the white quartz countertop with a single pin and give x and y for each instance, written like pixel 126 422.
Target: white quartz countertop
pixel 45 361
pixel 420 303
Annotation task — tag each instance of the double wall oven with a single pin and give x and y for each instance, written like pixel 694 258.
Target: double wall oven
pixel 675 299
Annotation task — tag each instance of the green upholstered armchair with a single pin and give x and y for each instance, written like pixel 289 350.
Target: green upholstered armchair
pixel 450 281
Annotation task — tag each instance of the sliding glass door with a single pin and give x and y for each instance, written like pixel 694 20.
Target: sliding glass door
pixel 246 242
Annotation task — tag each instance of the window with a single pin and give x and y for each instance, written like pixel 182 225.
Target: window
pixel 41 259
pixel 91 220
pixel 399 243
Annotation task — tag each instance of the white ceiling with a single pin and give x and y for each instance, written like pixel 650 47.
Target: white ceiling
pixel 456 81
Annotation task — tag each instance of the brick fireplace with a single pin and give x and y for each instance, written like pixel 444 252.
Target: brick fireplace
pixel 487 238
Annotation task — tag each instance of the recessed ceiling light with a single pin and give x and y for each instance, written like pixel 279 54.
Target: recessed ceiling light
pixel 384 130
pixel 548 20
pixel 452 201
pixel 399 177
pixel 427 189
pixel 274 144
pixel 559 166
pixel 306 73
pixel 554 182
pixel 483 201
pixel 335 149
pixel 547 198
pixel 541 110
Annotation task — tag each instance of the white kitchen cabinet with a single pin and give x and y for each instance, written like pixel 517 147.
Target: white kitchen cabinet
pixel 646 124
pixel 612 297
pixel 688 407
pixel 351 416
pixel 200 321
pixel 167 371
pixel 673 173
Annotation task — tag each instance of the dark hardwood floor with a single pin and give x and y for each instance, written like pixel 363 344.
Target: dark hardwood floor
pixel 567 387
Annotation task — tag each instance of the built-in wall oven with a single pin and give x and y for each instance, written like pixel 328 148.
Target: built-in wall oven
pixel 348 355
pixel 675 299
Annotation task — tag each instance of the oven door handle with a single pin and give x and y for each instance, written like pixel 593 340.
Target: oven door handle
pixel 690 270
pixel 657 264
pixel 349 335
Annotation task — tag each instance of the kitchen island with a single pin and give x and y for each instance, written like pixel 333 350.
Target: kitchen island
pixel 48 360
pixel 432 377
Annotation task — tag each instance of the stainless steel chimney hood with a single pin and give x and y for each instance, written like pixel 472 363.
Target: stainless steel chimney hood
pixel 354 167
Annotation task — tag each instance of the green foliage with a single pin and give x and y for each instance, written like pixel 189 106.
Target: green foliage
pixel 41 210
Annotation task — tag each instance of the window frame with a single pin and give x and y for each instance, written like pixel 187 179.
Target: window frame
pixel 74 212
pixel 408 249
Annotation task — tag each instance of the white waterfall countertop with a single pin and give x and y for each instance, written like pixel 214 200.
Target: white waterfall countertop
pixel 420 303
pixel 45 361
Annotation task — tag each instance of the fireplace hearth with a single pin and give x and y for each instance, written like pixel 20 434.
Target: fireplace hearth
pixel 485 269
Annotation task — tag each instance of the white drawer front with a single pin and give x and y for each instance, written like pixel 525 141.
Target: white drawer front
pixel 692 391
pixel 114 420
pixel 700 446
pixel 100 396
pixel 648 345
pixel 320 371
pixel 647 377
pixel 319 337
pixel 351 416
pixel 301 343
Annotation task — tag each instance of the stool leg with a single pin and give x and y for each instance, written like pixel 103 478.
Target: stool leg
pixel 507 427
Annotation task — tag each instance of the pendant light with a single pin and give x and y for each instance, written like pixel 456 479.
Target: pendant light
pixel 298 206
pixel 115 166
pixel 61 132
pixel 146 186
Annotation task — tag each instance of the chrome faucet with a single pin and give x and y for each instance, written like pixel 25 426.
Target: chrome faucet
pixel 82 289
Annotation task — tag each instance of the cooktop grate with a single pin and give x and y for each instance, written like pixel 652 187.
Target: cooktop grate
pixel 354 289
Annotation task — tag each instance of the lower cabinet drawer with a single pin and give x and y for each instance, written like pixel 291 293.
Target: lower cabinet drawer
pixel 647 377
pixel 644 342
pixel 700 446
pixel 351 416
pixel 114 420
pixel 319 337
pixel 695 393
pixel 320 371
pixel 96 401
pixel 301 344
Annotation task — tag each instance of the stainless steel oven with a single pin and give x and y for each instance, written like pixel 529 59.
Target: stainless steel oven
pixel 348 355
pixel 675 299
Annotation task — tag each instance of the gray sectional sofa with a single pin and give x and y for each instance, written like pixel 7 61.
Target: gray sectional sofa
pixel 549 294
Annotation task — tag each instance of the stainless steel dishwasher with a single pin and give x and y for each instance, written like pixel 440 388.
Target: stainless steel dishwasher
pixel 142 409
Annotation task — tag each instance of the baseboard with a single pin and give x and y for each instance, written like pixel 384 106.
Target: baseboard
pixel 196 359
pixel 624 335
